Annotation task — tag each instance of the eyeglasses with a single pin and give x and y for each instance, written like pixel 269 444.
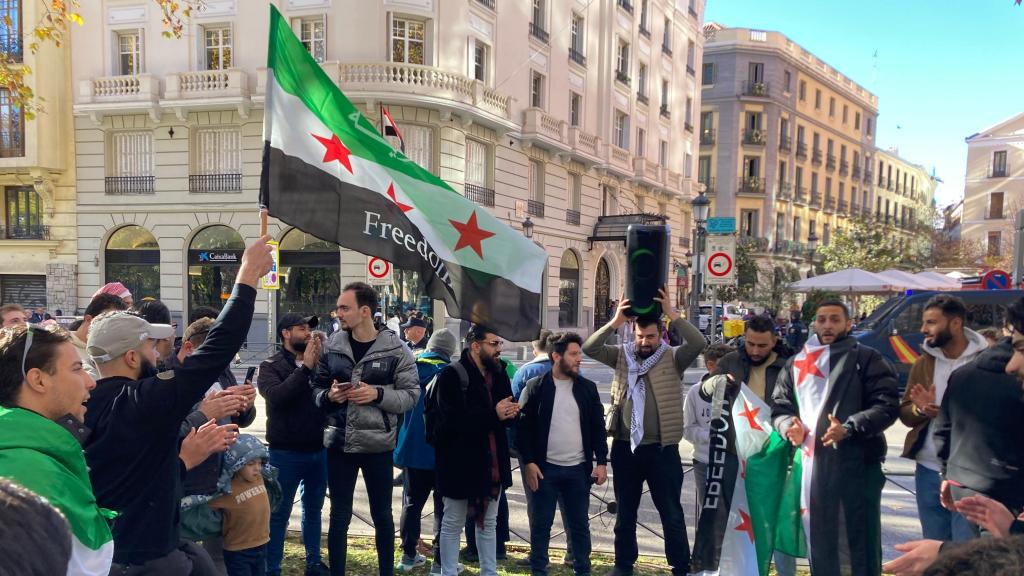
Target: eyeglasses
pixel 495 343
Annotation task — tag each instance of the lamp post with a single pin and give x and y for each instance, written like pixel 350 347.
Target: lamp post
pixel 701 206
pixel 528 227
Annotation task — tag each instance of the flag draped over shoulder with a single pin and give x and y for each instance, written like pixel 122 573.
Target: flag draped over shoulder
pixel 43 457
pixel 743 516
pixel 328 171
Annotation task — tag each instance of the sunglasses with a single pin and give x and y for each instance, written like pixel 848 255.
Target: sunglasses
pixel 30 329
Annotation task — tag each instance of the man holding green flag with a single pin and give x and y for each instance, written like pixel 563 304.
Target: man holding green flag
pixel 43 388
pixel 329 172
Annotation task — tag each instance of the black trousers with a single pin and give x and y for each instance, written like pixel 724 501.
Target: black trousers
pixel 189 559
pixel 661 468
pixel 342 471
pixel 417 487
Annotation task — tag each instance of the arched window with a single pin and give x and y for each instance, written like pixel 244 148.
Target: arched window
pixel 213 259
pixel 310 275
pixel 132 258
pixel 568 290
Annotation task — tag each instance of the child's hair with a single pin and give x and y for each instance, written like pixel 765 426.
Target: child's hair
pixel 715 352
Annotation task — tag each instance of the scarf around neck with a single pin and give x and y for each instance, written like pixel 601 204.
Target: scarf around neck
pixel 637 389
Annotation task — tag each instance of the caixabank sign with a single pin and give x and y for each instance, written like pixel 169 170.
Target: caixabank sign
pixel 214 257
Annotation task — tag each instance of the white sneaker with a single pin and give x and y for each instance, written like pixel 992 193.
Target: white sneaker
pixel 408 565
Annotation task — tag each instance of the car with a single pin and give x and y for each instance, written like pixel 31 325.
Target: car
pixel 894 328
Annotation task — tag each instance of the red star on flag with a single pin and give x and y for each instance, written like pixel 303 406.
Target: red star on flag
pixel 808 365
pixel 743 469
pixel 470 234
pixel 394 198
pixel 808 447
pixel 335 150
pixel 750 413
pixel 746 525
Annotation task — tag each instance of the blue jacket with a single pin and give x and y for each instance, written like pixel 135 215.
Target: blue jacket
pixel 528 372
pixel 412 450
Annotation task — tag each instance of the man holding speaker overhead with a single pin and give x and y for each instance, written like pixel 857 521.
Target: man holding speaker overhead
pixel 646 416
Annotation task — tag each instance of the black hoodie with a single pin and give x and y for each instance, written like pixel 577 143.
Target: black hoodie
pixel 980 428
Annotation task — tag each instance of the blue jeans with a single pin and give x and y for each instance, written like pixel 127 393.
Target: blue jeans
pixel 486 538
pixel 937 523
pixel 249 562
pixel 307 472
pixel 571 486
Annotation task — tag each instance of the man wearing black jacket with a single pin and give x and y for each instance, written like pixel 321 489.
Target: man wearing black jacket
pixel 561 438
pixel 295 432
pixel 135 416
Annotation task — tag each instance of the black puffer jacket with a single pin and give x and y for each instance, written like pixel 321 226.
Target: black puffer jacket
pixel 463 435
pixel 978 432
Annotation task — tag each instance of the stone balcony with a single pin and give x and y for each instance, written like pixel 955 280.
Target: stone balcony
pixel 230 83
pixel 136 93
pixel 620 162
pixel 585 146
pixel 546 131
pixel 648 173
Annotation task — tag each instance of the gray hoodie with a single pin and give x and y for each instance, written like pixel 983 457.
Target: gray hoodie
pixel 927 455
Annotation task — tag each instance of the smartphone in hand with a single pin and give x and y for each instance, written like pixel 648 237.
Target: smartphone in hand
pixel 249 374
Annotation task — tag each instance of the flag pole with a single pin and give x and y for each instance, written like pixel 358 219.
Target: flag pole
pixel 263 220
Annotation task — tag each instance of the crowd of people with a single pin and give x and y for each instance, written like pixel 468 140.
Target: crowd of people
pixel 122 448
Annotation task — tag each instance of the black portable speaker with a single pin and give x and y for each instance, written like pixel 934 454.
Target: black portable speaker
pixel 646 268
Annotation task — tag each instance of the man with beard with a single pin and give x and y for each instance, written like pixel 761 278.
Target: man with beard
pixel 757 364
pixel 834 400
pixel 135 416
pixel 562 445
pixel 295 432
pixel 646 424
pixel 474 406
pixel 948 345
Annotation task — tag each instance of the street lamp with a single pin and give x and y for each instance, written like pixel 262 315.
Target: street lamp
pixel 528 227
pixel 701 205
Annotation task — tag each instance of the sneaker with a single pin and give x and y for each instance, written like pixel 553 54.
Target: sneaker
pixel 318 569
pixel 567 560
pixel 469 556
pixel 435 569
pixel 409 564
pixel 621 572
pixel 522 562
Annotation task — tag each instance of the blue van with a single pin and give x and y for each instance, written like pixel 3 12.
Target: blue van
pixel 894 328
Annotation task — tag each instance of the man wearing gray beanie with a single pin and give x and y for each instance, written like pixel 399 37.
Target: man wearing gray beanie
pixel 416 457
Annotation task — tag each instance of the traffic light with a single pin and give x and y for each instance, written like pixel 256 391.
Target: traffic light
pixel 646 268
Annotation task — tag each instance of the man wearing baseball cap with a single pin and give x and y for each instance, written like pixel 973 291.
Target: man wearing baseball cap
pixel 295 432
pixel 135 416
pixel 415 330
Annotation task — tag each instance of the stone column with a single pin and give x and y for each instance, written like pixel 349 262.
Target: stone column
pixel 61 288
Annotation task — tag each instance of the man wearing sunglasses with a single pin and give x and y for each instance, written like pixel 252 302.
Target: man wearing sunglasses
pixel 135 415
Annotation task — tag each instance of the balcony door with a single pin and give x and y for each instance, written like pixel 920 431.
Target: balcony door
pixel 24 217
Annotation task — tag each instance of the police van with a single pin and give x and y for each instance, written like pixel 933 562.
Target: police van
pixel 894 328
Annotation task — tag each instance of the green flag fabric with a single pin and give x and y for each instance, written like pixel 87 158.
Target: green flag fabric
pixel 746 479
pixel 328 171
pixel 40 455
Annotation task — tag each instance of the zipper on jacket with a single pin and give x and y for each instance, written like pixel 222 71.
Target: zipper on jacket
pixel 387 423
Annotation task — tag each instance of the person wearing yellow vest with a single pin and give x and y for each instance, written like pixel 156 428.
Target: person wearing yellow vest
pixel 646 424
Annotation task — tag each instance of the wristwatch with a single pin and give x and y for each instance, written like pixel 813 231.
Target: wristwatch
pixel 849 430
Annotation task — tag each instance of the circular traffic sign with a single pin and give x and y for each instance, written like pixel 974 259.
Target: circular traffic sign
pixel 379 268
pixel 719 264
pixel 995 280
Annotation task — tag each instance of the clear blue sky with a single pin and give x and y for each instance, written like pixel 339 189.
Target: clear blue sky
pixel 945 68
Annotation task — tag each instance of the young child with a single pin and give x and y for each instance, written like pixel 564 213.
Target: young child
pixel 246 509
pixel 697 419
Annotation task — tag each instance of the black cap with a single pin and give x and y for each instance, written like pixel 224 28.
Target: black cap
pixel 414 321
pixel 294 319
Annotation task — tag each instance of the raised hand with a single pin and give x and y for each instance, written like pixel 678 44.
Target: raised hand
pixel 835 433
pixel 796 432
pixel 507 408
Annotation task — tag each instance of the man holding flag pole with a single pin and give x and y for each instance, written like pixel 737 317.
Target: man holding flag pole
pixel 834 401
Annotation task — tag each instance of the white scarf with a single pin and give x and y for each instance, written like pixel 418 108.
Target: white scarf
pixel 637 389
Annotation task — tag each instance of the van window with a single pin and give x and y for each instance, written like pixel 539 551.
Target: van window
pixel 909 319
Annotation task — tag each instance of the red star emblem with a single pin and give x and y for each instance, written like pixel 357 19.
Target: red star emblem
pixel 394 198
pixel 335 150
pixel 743 469
pixel 808 447
pixel 750 413
pixel 808 365
pixel 746 525
pixel 471 235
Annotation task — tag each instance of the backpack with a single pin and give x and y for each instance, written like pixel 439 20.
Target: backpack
pixel 431 403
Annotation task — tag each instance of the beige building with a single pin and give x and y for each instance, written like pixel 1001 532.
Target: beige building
pixel 576 115
pixel 994 186
pixel 904 196
pixel 787 147
pixel 37 175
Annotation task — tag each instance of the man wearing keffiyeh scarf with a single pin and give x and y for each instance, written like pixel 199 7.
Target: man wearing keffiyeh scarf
pixel 646 423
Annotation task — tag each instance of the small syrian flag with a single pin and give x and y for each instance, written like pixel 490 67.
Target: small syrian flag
pixel 746 480
pixel 390 128
pixel 328 171
pixel 43 457
pixel 811 369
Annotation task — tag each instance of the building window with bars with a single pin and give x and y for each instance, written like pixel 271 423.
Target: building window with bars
pixel 577 37
pixel 572 215
pixel 131 163
pixel 478 173
pixel 535 205
pixel 218 47
pixel 312 32
pixel 217 161
pixel 129 52
pixel 408 41
pixel 419 145
pixel 12 127
pixel 24 218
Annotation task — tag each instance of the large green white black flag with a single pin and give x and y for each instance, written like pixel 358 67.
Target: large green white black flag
pixel 327 171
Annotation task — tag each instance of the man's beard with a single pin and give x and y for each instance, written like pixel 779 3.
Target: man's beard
pixel 146 369
pixel 644 351
pixel 759 361
pixel 298 344
pixel 839 336
pixel 567 368
pixel 941 339
pixel 491 363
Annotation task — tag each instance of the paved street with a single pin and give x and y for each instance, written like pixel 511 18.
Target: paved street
pixel 899 512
